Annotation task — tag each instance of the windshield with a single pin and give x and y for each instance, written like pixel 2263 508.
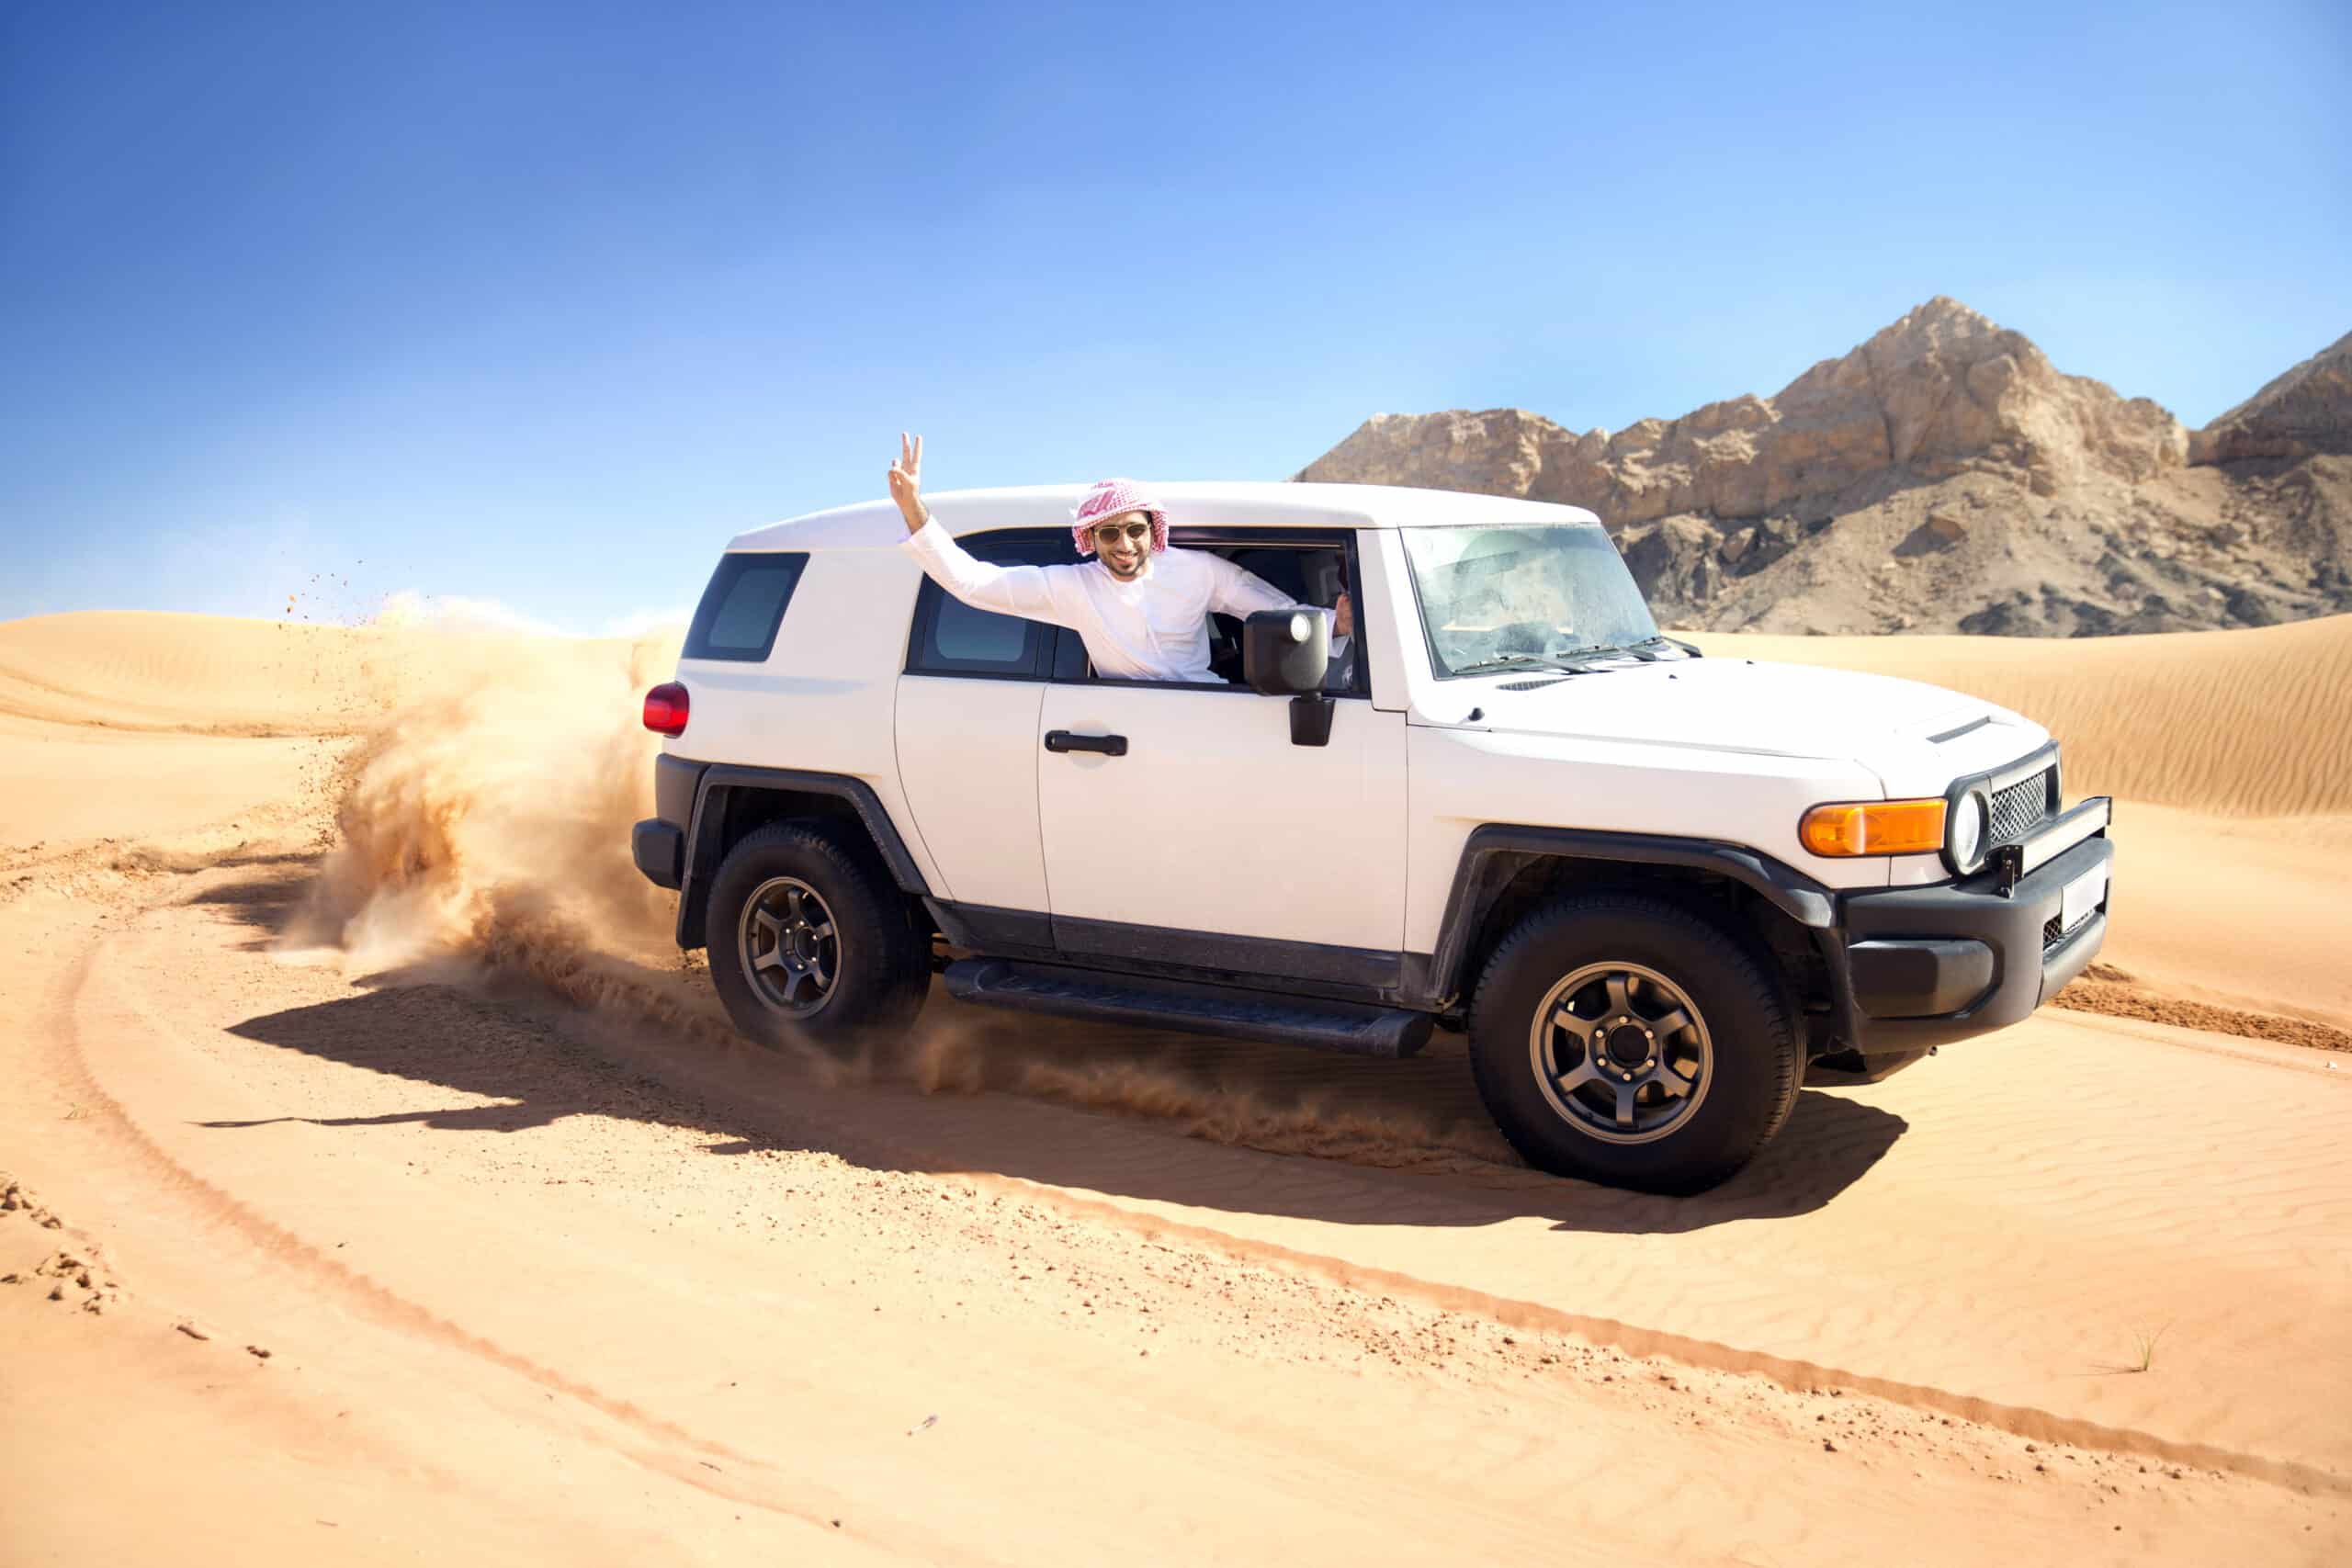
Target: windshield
pixel 1495 598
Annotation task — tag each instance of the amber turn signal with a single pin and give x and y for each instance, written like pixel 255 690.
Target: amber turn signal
pixel 1875 828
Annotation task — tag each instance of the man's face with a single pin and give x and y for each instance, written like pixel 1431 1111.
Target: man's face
pixel 1123 544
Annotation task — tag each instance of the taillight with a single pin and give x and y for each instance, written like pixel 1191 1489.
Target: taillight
pixel 665 709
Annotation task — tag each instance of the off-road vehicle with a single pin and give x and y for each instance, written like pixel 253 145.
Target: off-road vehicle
pixel 1655 890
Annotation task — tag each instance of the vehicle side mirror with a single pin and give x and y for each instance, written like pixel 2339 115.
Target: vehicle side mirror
pixel 1286 652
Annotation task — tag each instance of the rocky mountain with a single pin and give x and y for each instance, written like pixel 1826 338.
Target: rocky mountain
pixel 2307 411
pixel 1941 477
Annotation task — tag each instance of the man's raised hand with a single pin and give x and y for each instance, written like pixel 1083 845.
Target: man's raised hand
pixel 906 480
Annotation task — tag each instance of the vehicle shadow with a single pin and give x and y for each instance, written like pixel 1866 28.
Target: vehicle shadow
pixel 1184 1128
pixel 1180 1119
pixel 267 904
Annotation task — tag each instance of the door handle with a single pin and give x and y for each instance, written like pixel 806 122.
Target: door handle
pixel 1063 740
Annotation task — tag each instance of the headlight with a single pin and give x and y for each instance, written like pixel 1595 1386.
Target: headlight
pixel 1966 845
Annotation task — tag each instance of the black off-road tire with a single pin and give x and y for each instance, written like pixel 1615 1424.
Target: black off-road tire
pixel 882 959
pixel 1753 1064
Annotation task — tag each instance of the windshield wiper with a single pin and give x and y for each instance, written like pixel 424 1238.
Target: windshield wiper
pixel 1646 650
pixel 1573 661
pixel 1516 662
pixel 1580 660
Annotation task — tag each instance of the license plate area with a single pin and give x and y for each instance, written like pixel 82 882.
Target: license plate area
pixel 2081 896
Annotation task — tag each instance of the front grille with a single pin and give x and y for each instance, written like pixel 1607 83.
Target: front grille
pixel 2019 809
pixel 2052 931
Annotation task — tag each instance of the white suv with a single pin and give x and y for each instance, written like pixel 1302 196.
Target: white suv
pixel 1655 890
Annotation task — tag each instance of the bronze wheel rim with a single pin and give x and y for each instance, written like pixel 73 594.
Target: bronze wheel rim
pixel 790 946
pixel 1621 1053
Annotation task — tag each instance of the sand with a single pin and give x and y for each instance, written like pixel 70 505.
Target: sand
pixel 353 1042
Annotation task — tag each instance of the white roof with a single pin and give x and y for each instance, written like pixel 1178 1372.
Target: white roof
pixel 1244 505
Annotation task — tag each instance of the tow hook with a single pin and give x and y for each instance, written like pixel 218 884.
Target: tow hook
pixel 2008 864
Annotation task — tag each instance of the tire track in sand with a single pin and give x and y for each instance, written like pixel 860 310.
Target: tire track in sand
pixel 74 1005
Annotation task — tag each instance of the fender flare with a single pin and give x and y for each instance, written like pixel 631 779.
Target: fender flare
pixel 1494 853
pixel 704 850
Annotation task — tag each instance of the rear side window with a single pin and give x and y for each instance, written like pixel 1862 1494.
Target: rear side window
pixel 743 605
pixel 950 637
pixel 963 635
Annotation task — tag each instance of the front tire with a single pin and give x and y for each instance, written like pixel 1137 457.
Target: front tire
pixel 1624 1039
pixel 812 943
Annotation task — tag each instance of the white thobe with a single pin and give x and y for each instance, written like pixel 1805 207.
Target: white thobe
pixel 1152 627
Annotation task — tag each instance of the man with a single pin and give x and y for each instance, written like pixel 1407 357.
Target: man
pixel 1141 608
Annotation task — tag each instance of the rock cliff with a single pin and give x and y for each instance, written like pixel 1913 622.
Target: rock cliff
pixel 2305 411
pixel 1942 476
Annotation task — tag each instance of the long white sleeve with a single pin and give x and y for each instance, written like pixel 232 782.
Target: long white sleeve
pixel 1240 593
pixel 1026 591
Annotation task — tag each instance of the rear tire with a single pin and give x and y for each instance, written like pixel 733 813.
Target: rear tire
pixel 812 943
pixel 1627 1039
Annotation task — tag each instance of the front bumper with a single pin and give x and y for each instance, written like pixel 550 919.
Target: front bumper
pixel 1914 967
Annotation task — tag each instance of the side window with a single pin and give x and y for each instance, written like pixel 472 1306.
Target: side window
pixel 962 637
pixel 1311 568
pixel 950 637
pixel 743 605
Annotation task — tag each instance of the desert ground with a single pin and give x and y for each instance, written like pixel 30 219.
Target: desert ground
pixel 382 1185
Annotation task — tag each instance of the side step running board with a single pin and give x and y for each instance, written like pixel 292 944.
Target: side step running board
pixel 1354 1028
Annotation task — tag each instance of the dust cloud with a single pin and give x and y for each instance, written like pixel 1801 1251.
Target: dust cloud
pixel 496 801
pixel 1421 1114
pixel 482 824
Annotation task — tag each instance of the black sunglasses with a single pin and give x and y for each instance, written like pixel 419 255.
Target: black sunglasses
pixel 1108 533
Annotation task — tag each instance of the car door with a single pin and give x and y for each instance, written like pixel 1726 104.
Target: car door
pixel 1211 840
pixel 966 727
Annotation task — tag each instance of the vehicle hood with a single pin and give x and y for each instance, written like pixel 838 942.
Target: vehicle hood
pixel 1922 734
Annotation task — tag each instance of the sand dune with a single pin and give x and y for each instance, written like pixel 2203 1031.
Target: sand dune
pixel 220 675
pixel 343 1033
pixel 123 723
pixel 2238 723
pixel 214 675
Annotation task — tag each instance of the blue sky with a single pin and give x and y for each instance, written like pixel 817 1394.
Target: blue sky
pixel 538 304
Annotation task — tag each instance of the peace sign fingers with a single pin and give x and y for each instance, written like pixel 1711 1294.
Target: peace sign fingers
pixel 906 479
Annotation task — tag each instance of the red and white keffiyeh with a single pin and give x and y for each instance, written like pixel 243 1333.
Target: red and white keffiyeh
pixel 1109 498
